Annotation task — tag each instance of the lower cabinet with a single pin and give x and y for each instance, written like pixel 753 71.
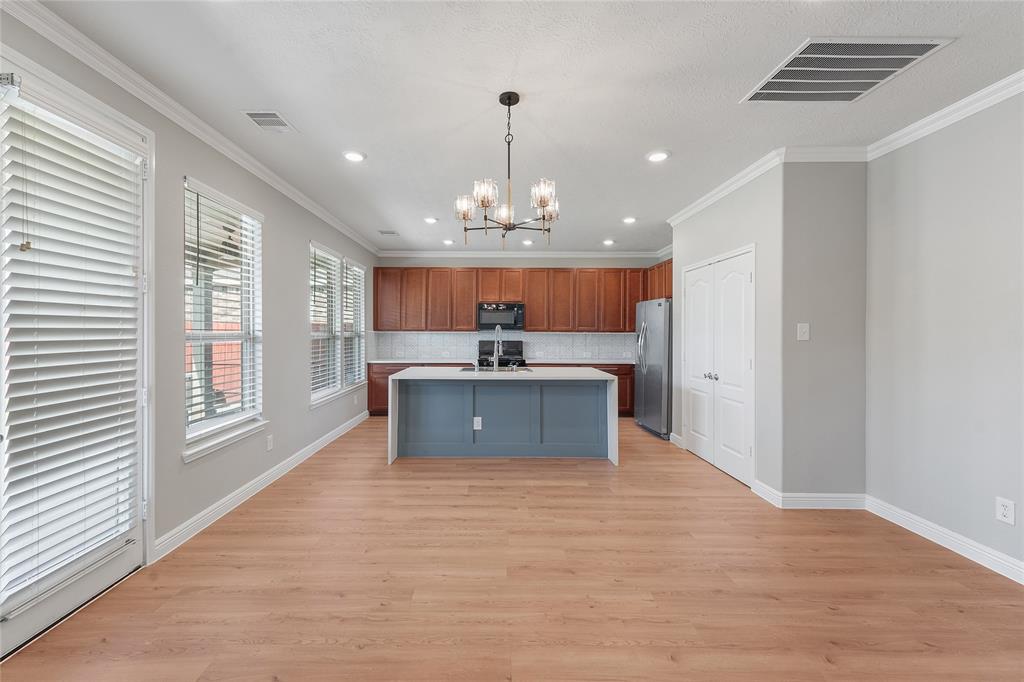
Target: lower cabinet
pixel 377 382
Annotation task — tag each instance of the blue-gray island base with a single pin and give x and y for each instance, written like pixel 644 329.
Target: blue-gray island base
pixel 547 412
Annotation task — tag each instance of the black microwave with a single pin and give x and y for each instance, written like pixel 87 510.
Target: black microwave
pixel 508 315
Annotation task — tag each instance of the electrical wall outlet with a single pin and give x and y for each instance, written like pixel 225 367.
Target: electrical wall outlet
pixel 478 423
pixel 270 443
pixel 1005 511
pixel 355 398
pixel 803 331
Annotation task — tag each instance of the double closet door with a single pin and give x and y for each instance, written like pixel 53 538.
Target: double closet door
pixel 718 357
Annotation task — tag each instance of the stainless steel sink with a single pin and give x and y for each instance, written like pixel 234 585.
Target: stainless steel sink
pixel 504 370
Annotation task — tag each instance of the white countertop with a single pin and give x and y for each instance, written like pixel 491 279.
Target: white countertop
pixel 469 361
pixel 535 374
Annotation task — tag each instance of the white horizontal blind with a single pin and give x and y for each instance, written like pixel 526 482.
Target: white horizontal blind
pixel 324 321
pixel 70 296
pixel 223 318
pixel 354 323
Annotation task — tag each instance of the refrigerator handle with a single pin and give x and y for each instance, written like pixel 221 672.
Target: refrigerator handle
pixel 643 343
pixel 640 347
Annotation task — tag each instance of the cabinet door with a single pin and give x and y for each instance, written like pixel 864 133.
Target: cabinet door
pixel 387 299
pixel 611 300
pixel 657 282
pixel 634 294
pixel 561 293
pixel 439 299
pixel 377 389
pixel 489 287
pixel 464 299
pixel 512 285
pixel 535 300
pixel 414 299
pixel 586 300
pixel 666 279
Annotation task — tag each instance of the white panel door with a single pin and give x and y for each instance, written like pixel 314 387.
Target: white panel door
pixel 733 366
pixel 699 361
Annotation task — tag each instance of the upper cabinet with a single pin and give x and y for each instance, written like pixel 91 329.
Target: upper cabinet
pixel 414 299
pixel 587 318
pixel 556 299
pixel 535 299
pixel 464 299
pixel 561 308
pixel 611 299
pixel 387 299
pixel 439 299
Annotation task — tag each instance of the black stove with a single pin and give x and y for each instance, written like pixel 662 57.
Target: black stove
pixel 511 354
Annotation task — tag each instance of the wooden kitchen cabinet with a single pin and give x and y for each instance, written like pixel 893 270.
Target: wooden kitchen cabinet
pixel 489 285
pixel 464 299
pixel 666 279
pixel 586 300
pixel 439 299
pixel 511 285
pixel 634 294
pixel 611 300
pixel 387 299
pixel 561 299
pixel 377 386
pixel 414 299
pixel 536 288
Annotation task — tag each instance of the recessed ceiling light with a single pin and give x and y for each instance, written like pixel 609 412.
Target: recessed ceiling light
pixel 658 156
pixel 629 220
pixel 447 242
pixel 355 157
pixel 527 242
pixel 608 242
pixel 430 221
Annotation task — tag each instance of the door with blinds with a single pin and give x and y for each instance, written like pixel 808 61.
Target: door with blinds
pixel 71 363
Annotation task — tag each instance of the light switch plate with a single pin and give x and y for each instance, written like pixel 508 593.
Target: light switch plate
pixel 803 331
pixel 478 423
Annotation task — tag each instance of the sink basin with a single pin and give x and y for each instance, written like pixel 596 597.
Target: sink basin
pixel 500 369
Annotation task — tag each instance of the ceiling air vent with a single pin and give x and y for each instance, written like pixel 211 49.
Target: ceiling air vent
pixel 387 233
pixel 269 120
pixel 841 69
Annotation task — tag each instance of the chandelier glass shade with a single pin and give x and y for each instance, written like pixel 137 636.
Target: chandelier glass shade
pixel 501 215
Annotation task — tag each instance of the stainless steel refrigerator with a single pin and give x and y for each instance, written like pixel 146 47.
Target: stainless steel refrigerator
pixel 652 404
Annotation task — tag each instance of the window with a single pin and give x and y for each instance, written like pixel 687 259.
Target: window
pixel 223 320
pixel 354 323
pixel 324 322
pixel 71 353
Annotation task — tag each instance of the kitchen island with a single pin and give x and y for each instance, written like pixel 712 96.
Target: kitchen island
pixel 534 412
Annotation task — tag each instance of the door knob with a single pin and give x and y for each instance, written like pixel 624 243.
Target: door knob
pixel 715 377
pixel 707 375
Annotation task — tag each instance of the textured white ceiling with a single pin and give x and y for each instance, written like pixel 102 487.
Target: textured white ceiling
pixel 414 86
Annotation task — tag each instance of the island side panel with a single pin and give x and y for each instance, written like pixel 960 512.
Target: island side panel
pixel 392 418
pixel 613 420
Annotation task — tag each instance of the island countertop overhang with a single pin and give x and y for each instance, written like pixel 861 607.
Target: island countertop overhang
pixel 534 374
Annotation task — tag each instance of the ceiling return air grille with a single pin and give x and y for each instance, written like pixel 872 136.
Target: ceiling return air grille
pixel 841 69
pixel 269 120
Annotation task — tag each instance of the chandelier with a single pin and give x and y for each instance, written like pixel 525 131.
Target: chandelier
pixel 485 195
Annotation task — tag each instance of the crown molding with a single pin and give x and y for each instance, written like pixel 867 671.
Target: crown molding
pixel 65 36
pixel 824 155
pixel 751 172
pixel 664 252
pixel 972 104
pixel 524 254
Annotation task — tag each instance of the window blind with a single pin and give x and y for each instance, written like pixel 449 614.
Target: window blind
pixel 324 321
pixel 223 317
pixel 71 236
pixel 354 323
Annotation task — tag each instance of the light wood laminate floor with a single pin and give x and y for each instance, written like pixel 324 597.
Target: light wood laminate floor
pixel 662 569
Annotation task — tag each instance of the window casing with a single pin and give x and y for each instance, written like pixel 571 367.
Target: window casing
pixel 325 286
pixel 354 323
pixel 223 313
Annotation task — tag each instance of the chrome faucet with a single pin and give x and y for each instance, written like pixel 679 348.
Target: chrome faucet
pixel 497 346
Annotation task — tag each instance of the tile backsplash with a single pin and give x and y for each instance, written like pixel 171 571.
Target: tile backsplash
pixel 537 346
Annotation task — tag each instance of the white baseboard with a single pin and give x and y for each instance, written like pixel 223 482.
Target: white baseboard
pixel 677 440
pixel 807 500
pixel 1003 564
pixel 167 543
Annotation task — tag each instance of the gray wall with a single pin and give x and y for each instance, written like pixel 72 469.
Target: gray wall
pixel 823 283
pixel 750 215
pixel 183 490
pixel 944 325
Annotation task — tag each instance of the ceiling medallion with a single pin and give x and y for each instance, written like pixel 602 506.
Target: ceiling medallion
pixel 485 195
